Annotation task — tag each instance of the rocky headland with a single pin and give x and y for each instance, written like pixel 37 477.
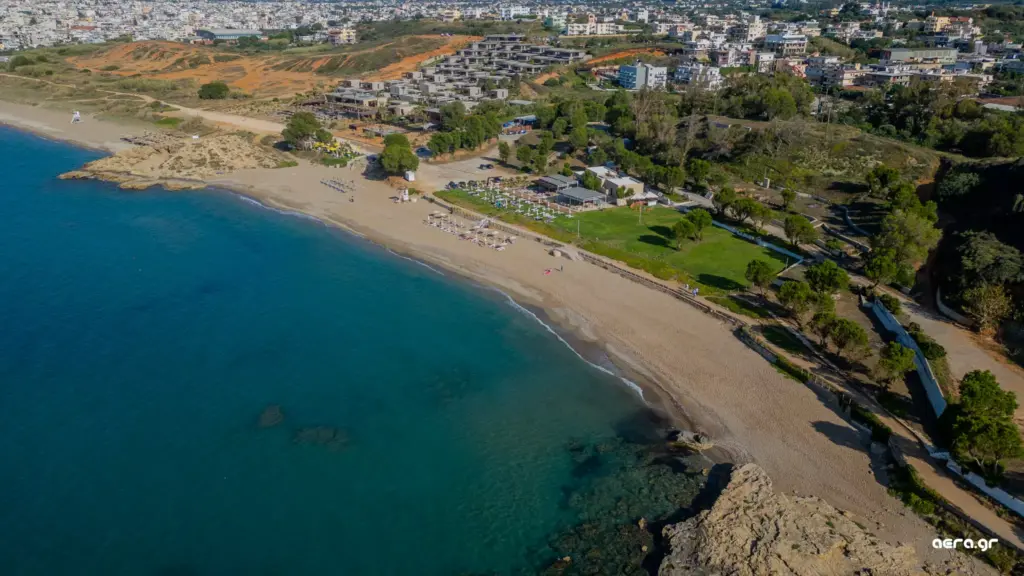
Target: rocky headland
pixel 178 162
pixel 750 530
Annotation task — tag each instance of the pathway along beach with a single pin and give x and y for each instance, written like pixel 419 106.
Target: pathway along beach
pixel 750 410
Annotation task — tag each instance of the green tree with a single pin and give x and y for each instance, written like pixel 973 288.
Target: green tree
pixel 590 181
pixel 881 266
pixel 524 154
pixel 579 138
pixel 504 152
pixel 797 298
pixel 787 198
pixel 799 229
pixel 848 337
pixel 826 277
pixel 881 179
pixel 701 221
pixel 453 116
pixel 895 361
pixel 397 156
pixel 698 170
pixel 674 178
pixel 567 170
pixel 821 324
pixel 683 230
pixel 983 430
pixel 301 129
pixel 759 273
pixel 724 199
pixel 909 235
pixel 558 127
pixel 984 259
pixel 779 103
pixel 760 215
pixel 958 185
pixel 214 91
pixel 323 136
pixel 988 305
pixel 397 140
pixel 744 208
pixel 597 157
pixel 440 144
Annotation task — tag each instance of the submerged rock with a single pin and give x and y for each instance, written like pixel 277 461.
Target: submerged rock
pixel 334 439
pixel 271 416
pixel 750 530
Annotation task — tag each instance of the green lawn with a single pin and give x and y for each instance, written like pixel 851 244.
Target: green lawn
pixel 718 261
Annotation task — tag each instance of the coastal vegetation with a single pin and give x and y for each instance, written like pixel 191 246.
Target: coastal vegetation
pixel 214 91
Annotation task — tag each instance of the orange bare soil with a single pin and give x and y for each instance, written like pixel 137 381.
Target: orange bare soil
pixel 412 63
pixel 546 76
pixel 265 74
pixel 625 54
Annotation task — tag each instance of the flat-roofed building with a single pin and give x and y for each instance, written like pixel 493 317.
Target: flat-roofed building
pixel 919 55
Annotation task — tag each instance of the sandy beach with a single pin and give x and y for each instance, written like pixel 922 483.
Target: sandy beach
pixel 694 363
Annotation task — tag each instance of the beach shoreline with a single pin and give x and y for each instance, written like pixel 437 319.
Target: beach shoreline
pixel 693 367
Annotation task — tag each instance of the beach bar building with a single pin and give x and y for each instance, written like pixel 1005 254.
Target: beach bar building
pixel 556 182
pixel 577 196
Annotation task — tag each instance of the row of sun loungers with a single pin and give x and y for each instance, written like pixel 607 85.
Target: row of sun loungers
pixel 478 233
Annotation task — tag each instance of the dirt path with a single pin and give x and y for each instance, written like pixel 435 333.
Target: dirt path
pixel 916 453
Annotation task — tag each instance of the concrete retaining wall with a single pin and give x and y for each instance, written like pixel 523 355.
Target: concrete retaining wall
pixel 924 371
pixel 949 312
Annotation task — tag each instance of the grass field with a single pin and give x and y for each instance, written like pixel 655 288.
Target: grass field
pixel 718 262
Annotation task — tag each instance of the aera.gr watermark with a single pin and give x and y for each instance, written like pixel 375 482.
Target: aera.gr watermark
pixel 982 544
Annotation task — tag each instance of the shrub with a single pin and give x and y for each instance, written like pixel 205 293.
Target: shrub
pixel 891 303
pixel 879 431
pixel 214 91
pixel 19 60
pixel 792 369
pixel 931 349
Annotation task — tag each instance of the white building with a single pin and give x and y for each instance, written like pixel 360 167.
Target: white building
pixel 786 44
pixel 642 75
pixel 642 15
pixel 513 12
pixel 593 29
pixel 338 36
pixel 703 76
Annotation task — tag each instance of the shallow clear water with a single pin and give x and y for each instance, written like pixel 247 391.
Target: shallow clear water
pixel 142 334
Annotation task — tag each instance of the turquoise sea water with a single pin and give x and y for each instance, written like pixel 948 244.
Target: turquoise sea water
pixel 143 334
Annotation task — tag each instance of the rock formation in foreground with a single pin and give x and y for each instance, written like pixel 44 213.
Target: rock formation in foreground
pixel 182 162
pixel 751 530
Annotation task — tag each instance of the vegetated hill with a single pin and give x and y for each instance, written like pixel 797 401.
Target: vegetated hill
pixel 268 72
pixel 828 160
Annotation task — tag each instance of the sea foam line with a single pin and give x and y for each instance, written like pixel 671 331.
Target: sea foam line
pixel 415 261
pixel 629 383
pixel 302 215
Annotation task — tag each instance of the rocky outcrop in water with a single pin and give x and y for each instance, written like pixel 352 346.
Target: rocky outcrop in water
pixel 271 416
pixel 750 530
pixel 334 439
